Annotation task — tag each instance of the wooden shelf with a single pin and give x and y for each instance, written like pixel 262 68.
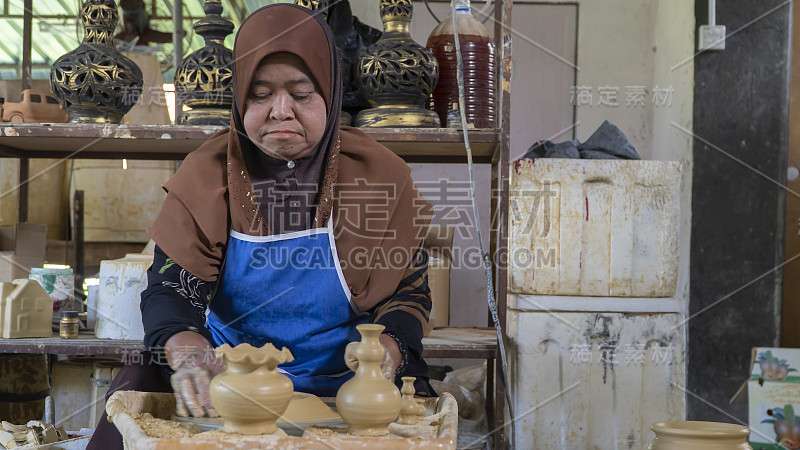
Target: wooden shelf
pixel 173 142
pixel 437 144
pixel 443 343
pixel 85 344
pixel 478 343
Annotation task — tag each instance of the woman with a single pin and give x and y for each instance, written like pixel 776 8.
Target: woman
pixel 284 229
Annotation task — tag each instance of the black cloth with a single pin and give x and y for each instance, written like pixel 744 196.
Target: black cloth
pixel 394 313
pixel 607 142
pixel 352 36
pixel 174 301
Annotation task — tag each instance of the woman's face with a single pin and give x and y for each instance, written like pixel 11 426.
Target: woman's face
pixel 284 114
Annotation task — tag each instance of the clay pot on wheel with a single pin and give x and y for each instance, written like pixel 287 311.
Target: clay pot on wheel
pixel 688 435
pixel 251 394
pixel 369 402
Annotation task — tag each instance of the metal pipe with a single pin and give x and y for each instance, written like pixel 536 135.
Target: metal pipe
pixel 24 181
pixel 177 43
pixel 27 30
pixel 712 12
pixel 78 211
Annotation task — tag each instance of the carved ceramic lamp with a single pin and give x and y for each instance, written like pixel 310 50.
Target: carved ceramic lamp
pixel 397 75
pixel 204 79
pixel 315 5
pixel 96 83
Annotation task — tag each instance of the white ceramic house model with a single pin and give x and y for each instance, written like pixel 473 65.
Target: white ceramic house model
pixel 26 310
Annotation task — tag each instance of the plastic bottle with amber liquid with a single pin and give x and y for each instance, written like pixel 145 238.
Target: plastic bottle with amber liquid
pixel 478 55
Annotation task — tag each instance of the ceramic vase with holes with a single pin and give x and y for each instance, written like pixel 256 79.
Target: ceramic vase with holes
pixel 369 402
pixel 251 394
pixel 395 74
pixel 687 435
pixel 95 82
pixel 204 79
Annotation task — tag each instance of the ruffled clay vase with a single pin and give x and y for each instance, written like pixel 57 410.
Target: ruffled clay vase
pixel 369 402
pixel 687 435
pixel 251 394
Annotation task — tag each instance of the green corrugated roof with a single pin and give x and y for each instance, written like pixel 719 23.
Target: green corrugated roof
pixel 56 30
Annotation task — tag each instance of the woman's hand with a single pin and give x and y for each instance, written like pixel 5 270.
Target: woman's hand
pixel 391 358
pixel 191 357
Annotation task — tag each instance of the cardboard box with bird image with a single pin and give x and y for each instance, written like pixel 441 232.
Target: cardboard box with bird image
pixel 773 394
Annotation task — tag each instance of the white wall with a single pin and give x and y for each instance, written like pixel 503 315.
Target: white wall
pixel 676 68
pixel 624 43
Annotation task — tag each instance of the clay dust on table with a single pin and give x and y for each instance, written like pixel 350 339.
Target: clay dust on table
pixel 319 431
pixel 162 428
pixel 422 430
pixel 216 434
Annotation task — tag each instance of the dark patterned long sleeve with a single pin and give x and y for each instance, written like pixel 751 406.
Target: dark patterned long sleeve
pixel 174 301
pixel 405 315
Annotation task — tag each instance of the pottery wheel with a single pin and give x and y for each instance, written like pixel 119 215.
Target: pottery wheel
pixel 304 410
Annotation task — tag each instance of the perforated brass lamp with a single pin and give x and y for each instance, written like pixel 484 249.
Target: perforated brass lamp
pixel 314 5
pixel 204 79
pixel 95 82
pixel 397 75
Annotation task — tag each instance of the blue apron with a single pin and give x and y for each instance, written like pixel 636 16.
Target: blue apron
pixel 288 290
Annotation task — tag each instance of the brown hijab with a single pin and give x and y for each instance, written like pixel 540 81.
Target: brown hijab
pixel 379 217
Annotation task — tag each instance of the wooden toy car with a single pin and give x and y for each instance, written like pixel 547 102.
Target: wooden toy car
pixel 35 106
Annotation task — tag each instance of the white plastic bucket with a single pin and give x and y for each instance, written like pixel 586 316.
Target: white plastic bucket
pixel 60 285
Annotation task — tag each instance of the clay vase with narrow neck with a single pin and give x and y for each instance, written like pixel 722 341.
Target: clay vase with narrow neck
pixel 369 402
pixel 251 394
pixel 688 435
pixel 409 413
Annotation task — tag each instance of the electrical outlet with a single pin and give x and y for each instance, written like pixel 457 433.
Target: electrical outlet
pixel 711 37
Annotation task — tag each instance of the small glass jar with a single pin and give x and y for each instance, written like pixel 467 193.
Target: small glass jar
pixel 68 328
pixel 454 117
